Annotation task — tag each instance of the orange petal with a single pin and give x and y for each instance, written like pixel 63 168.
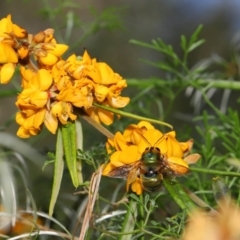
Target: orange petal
pixel 177 165
pixel 51 122
pixel 119 102
pixel 129 155
pixel 39 98
pixel 101 92
pixel 108 168
pixel 105 116
pixel 115 159
pixel 137 187
pixel 23 133
pixel 119 141
pixel 145 124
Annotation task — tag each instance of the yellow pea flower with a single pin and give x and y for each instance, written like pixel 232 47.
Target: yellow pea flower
pixel 100 115
pixel 48 53
pixel 30 125
pixel 127 149
pixel 36 95
pixel 79 93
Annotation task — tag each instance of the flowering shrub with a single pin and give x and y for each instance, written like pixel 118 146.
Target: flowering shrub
pixel 54 88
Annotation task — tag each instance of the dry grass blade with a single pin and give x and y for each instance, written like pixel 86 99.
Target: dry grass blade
pixel 199 201
pixel 92 195
pixel 98 126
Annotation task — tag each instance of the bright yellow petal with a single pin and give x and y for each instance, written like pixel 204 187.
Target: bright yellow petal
pixel 108 168
pixel 93 114
pixel 44 79
pixel 86 57
pixel 18 31
pixel 177 165
pixel 105 117
pixel 39 98
pixel 27 75
pixel 119 102
pixel 101 92
pixel 137 187
pixel 58 50
pixel 39 118
pixel 145 124
pixel 129 155
pixel 51 122
pixel 7 54
pixel 23 133
pixel 187 146
pixel 5 26
pixel 119 141
pixel 107 74
pixel 48 60
pixel 7 72
pixel 19 118
pixel 150 138
pixel 173 146
pixel 115 159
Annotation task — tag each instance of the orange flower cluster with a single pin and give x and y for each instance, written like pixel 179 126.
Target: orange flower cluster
pixel 129 147
pixel 56 87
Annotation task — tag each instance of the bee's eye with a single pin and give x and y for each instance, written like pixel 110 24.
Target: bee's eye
pixel 147 149
pixel 158 149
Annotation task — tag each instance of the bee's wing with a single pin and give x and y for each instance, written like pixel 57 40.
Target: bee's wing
pixel 132 176
pixel 177 165
pixel 123 171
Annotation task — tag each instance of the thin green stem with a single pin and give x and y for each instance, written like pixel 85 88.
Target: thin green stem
pixel 129 220
pixel 216 83
pixel 130 115
pixel 215 172
pixel 141 214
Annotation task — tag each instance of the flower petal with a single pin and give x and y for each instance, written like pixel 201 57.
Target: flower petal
pixel 51 122
pixel 105 116
pixel 150 138
pixel 49 59
pixel 7 54
pixel 119 102
pixel 108 168
pixel 44 79
pixel 129 155
pixel 7 72
pixel 137 187
pixel 177 165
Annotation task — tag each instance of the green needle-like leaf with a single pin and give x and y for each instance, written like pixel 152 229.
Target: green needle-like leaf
pixel 70 150
pixel 58 171
pixel 179 195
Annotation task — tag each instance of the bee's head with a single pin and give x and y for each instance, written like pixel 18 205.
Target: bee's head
pixel 151 154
